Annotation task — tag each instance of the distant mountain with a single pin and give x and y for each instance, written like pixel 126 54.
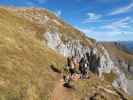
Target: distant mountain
pixel 128 45
pixel 121 54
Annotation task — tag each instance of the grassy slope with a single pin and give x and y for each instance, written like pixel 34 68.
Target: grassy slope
pixel 118 52
pixel 24 62
pixel 66 31
pixel 89 88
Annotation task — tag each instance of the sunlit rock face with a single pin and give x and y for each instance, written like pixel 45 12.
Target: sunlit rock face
pixel 121 81
pixel 69 48
pixel 75 48
pixel 106 63
pixel 53 40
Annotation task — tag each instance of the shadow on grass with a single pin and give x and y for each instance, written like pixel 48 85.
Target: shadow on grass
pixel 55 69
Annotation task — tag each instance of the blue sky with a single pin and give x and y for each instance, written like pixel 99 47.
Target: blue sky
pixel 106 20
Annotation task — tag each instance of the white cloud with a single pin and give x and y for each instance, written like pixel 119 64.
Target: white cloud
pixel 85 30
pixel 122 9
pixel 113 35
pixel 98 35
pixel 119 25
pixel 112 29
pixel 58 13
pixel 116 30
pixel 92 17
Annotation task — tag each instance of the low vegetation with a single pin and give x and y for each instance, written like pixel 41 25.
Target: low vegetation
pixel 110 77
pixel 24 61
pixel 51 23
pixel 95 88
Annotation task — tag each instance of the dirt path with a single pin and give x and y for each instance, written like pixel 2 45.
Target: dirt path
pixel 61 93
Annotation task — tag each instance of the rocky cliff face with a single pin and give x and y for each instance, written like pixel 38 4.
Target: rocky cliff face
pixel 123 62
pixel 75 48
pixel 121 81
pixel 69 48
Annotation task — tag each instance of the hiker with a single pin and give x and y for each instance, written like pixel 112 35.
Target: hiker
pixel 81 64
pixel 71 64
pixel 67 80
pixel 72 67
pixel 98 66
pixel 83 67
pixel 68 62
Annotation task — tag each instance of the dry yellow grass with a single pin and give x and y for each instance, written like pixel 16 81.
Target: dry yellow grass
pixel 67 32
pixel 89 88
pixel 24 61
pixel 120 54
pixel 110 77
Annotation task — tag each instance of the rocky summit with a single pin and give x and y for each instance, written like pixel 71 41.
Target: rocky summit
pixel 44 58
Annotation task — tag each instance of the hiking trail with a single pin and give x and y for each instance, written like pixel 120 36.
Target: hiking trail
pixel 61 93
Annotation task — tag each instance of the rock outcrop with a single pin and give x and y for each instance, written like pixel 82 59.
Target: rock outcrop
pixel 121 81
pixel 75 48
pixel 69 48
pixel 96 57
